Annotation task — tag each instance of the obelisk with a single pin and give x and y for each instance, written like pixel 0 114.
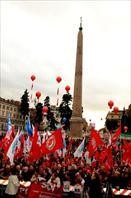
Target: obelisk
pixel 76 120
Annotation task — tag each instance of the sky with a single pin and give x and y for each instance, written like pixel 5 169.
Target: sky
pixel 40 38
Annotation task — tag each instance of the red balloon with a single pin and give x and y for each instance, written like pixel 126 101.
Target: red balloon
pixel 67 88
pixel 125 128
pixel 45 109
pixel 33 77
pixel 58 79
pixel 38 94
pixel 110 103
pixel 115 109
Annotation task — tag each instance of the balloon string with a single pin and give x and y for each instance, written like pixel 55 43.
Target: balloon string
pixel 32 86
pixel 58 91
pixel 57 103
pixel 31 97
pixel 31 100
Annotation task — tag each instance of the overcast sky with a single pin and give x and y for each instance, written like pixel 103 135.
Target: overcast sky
pixel 40 38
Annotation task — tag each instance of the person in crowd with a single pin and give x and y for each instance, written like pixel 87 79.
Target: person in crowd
pixel 72 170
pixel 13 184
pixel 35 186
pixel 55 170
pixel 60 172
pixel 87 179
pixel 24 173
pixel 5 171
pixel 116 179
pixel 27 173
pixel 54 181
pixel 35 178
pixel 95 186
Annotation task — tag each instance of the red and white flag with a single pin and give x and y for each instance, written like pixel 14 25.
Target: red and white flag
pixel 8 139
pixel 53 143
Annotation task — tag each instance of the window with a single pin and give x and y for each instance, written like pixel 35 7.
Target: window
pixel 3 106
pixel 7 108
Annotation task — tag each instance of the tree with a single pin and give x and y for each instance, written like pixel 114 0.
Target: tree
pixel 65 110
pixel 39 114
pixel 50 115
pixel 24 106
pixel 47 101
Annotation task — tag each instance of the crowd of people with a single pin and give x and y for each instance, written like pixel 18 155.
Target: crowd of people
pixel 60 171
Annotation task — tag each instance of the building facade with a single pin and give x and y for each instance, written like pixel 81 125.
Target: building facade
pixel 10 107
pixel 122 117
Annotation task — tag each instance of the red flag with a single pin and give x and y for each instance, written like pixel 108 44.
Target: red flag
pixel 95 141
pixel 116 135
pixel 1 144
pixel 35 152
pixel 109 160
pixel 54 142
pixel 103 155
pixel 97 155
pixel 105 158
